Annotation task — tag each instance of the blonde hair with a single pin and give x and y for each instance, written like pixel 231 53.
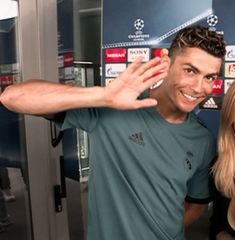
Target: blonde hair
pixel 224 168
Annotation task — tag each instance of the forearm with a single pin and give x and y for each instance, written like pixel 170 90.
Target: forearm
pixel 41 97
pixel 231 213
pixel 193 212
pixel 224 236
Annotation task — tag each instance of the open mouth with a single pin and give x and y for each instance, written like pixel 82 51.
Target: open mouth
pixel 189 97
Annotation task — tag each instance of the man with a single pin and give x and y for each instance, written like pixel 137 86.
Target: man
pixel 149 154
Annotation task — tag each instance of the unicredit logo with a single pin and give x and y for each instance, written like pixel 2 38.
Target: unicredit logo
pixel 115 55
pixel 218 87
pixel 231 68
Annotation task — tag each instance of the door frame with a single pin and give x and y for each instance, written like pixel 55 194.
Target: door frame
pixel 38 60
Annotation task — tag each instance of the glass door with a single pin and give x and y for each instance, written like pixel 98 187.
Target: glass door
pixel 55 41
pixel 79 58
pixel 15 209
pixel 38 58
pixel 29 163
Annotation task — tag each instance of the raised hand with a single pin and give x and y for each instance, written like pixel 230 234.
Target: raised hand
pixel 122 93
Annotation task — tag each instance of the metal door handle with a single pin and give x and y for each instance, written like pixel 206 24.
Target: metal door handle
pixel 60 190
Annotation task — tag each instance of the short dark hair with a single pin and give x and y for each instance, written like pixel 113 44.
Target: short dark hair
pixel 198 37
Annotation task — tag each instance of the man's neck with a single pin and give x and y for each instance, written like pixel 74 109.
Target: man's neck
pixel 167 109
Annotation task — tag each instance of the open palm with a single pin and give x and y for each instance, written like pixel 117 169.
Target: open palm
pixel 122 93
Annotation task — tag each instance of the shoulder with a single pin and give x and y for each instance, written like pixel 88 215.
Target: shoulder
pixel 198 121
pixel 201 128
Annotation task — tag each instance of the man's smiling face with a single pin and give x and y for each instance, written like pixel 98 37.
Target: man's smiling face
pixel 191 78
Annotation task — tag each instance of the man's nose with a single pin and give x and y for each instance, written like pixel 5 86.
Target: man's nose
pixel 198 84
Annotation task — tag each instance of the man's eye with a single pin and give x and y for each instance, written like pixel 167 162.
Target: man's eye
pixel 211 78
pixel 189 70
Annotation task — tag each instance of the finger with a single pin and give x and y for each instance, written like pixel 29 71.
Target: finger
pixel 154 71
pixel 144 103
pixel 154 80
pixel 146 66
pixel 164 52
pixel 135 65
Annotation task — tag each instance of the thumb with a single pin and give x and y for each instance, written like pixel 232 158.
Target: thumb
pixel 147 102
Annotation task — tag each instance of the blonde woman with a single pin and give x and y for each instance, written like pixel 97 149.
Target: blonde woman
pixel 224 168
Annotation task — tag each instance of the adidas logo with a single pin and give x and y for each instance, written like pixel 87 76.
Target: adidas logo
pixel 137 138
pixel 210 103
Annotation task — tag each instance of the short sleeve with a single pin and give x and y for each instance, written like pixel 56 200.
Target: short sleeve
pixel 85 119
pixel 198 185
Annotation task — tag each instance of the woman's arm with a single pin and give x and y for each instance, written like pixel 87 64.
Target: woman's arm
pixel 231 213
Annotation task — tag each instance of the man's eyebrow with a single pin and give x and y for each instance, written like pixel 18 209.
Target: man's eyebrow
pixel 213 75
pixel 197 70
pixel 193 67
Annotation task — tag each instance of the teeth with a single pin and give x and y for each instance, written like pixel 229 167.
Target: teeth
pixel 189 96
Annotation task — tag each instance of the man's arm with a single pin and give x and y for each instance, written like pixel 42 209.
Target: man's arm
pixel 193 212
pixel 42 98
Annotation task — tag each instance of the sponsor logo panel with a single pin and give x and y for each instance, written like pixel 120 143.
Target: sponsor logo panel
pixel 60 60
pixel 227 84
pixel 134 53
pixel 229 70
pixel 116 55
pixel 6 80
pixel 69 73
pixel 211 103
pixel 230 53
pixel 16 78
pixel 156 52
pixel 15 68
pixel 6 69
pixel 61 73
pixel 68 59
pixel 218 87
pixel 70 82
pixel 114 70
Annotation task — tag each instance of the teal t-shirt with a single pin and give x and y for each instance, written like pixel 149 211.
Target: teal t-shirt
pixel 141 170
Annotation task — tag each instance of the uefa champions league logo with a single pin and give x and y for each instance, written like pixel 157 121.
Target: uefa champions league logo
pixel 212 21
pixel 139 35
pixel 139 24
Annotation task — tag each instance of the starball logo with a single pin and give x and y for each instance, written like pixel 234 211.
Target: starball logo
pixel 212 20
pixel 139 24
pixel 139 35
